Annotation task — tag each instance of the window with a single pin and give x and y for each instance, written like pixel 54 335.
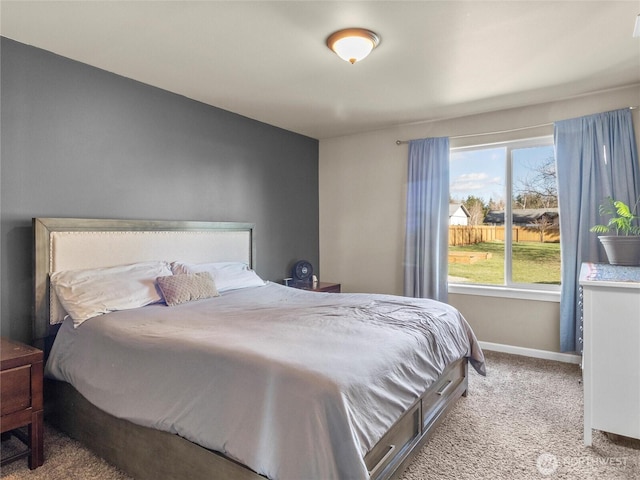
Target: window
pixel 504 217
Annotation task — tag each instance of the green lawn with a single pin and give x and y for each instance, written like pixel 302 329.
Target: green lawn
pixel 532 263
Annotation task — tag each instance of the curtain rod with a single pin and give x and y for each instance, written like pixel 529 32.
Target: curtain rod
pixel 402 142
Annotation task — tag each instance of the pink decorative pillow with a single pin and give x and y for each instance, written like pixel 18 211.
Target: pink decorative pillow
pixel 185 287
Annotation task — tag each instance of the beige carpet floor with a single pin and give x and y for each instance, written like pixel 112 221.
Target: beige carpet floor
pixel 522 421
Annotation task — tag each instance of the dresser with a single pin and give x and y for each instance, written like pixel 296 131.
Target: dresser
pixel 21 402
pixel 611 349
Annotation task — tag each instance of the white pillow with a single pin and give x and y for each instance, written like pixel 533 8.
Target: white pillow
pixel 226 275
pixel 88 293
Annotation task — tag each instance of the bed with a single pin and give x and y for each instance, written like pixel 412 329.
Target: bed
pixel 258 381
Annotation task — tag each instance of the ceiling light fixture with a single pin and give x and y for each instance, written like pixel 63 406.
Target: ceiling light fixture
pixel 636 30
pixel 353 44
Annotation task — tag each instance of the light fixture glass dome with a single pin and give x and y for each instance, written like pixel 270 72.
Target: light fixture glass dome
pixel 353 44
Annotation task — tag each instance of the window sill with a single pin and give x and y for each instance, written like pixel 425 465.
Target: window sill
pixel 505 292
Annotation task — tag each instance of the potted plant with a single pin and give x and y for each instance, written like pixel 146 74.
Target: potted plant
pixel 623 248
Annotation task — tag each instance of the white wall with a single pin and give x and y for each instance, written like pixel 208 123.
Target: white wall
pixel 362 209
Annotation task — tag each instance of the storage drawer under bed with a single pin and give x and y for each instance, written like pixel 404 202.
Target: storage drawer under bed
pixel 390 446
pixel 393 448
pixel 435 399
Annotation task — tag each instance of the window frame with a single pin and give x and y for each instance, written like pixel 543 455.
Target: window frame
pixel 510 289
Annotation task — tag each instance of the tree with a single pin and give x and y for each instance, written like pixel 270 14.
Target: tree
pixel 543 224
pixel 539 188
pixel 476 208
pixel 498 205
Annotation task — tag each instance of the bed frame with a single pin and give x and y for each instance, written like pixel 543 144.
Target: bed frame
pixel 148 454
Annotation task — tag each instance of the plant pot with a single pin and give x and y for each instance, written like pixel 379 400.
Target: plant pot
pixel 622 250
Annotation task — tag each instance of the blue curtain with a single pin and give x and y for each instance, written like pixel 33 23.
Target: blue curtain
pixel 427 229
pixel 596 158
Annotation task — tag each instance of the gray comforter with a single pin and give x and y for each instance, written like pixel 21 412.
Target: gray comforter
pixel 293 384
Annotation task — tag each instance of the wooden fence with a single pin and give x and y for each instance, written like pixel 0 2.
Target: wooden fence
pixel 471 234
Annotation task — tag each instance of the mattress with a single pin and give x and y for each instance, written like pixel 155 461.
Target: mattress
pixel 291 383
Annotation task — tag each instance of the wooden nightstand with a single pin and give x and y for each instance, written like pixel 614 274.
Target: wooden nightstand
pixel 21 398
pixel 320 287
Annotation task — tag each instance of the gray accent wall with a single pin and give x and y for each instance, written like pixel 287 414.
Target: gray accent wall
pixel 77 141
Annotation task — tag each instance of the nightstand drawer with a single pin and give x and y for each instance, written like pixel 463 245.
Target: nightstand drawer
pixel 15 389
pixel 16 419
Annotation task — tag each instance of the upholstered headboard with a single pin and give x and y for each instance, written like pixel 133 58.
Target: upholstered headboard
pixel 75 243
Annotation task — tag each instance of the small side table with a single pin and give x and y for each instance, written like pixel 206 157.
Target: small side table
pixel 318 287
pixel 21 402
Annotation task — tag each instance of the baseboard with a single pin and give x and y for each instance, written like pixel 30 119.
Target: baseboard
pixel 532 352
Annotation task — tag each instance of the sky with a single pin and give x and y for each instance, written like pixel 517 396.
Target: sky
pixel 481 172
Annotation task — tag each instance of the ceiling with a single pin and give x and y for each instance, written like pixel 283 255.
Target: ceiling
pixel 267 60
